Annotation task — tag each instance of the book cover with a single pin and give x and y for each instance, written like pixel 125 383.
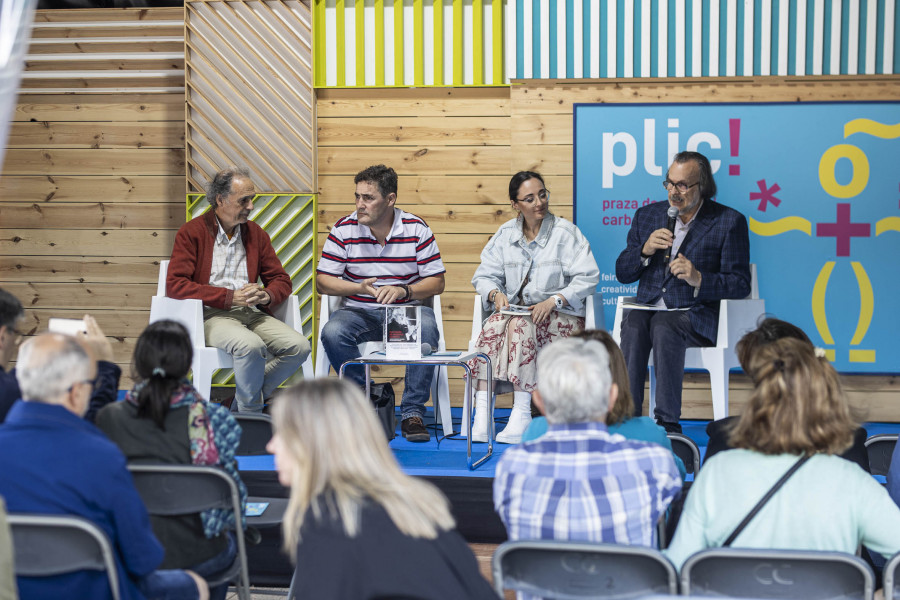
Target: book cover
pixel 402 335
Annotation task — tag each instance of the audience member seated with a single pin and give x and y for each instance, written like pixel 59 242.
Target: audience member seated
pixel 106 387
pixel 620 418
pixel 578 481
pixel 539 261
pixel 356 525
pixel 54 462
pixel 163 420
pixel 797 411
pixel 768 331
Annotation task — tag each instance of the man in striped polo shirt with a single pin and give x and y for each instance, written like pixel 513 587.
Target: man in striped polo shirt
pixel 381 255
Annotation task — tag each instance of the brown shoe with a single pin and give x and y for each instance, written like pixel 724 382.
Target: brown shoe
pixel 414 430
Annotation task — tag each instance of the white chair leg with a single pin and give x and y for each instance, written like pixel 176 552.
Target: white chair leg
pixel 440 397
pixel 203 372
pixel 652 400
pixel 718 380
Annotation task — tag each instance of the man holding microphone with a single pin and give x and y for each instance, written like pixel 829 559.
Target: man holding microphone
pixel 684 268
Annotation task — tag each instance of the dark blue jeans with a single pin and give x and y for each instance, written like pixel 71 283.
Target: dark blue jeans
pixel 667 334
pixel 348 327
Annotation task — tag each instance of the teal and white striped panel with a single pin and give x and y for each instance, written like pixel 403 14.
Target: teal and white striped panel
pixel 700 38
pixel 289 219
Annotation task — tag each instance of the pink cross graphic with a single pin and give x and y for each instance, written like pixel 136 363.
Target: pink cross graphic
pixel 766 194
pixel 843 230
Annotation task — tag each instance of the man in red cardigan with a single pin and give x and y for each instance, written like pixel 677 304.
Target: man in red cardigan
pixel 218 258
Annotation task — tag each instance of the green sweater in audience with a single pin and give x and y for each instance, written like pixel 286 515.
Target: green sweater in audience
pixel 828 504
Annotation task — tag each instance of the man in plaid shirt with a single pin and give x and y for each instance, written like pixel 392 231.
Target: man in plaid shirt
pixel 578 481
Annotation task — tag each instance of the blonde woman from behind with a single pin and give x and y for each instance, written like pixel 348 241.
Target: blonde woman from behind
pixel 356 525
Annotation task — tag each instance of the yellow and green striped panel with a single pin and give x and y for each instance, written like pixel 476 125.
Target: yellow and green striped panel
pixel 435 43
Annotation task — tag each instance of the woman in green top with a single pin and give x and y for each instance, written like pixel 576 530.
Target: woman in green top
pixel 797 408
pixel 619 419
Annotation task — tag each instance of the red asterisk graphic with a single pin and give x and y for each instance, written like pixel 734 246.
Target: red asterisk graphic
pixel 766 194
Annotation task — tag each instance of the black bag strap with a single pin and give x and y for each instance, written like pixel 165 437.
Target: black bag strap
pixel 737 530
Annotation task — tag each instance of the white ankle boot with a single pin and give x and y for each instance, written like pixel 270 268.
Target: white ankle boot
pixel 519 419
pixel 480 422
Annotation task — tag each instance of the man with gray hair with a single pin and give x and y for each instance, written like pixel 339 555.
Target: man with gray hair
pixel 578 481
pixel 54 462
pixel 219 258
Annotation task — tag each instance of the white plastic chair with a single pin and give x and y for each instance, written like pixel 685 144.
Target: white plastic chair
pixel 207 359
pixel 736 318
pixel 478 317
pixel 440 391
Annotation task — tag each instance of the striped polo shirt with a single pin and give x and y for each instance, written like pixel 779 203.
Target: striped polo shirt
pixel 409 254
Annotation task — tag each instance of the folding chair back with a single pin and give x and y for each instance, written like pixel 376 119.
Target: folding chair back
pixel 880 449
pixel 256 431
pixel 799 574
pixel 170 490
pixel 571 570
pixel 47 545
pixel 686 449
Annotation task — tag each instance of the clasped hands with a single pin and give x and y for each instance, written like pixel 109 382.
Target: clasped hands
pixel 681 267
pixel 539 312
pixel 386 294
pixel 251 295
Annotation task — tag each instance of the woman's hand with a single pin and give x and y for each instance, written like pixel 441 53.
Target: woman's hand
pixel 501 302
pixel 541 311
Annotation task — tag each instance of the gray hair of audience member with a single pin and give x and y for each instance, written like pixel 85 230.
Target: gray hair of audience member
pixel 220 184
pixel 10 310
pixel 49 365
pixel 574 381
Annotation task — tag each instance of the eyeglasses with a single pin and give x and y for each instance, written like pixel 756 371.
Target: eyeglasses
pixel 543 196
pixel 680 186
pixel 93 383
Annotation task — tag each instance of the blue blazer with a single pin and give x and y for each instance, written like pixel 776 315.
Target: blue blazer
pixel 52 462
pixel 718 245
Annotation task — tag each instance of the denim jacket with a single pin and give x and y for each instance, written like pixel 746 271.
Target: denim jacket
pixel 562 263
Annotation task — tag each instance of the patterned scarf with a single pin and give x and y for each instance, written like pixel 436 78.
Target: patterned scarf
pixel 214 435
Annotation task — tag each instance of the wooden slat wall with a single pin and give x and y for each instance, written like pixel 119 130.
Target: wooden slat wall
pixel 92 190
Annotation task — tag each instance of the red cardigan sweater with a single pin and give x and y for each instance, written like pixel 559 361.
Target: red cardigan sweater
pixel 191 263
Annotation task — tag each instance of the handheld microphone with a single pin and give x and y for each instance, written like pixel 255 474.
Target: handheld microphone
pixel 672 213
pixel 426 349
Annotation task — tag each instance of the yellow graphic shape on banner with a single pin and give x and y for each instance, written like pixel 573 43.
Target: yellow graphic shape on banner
pixel 780 226
pixel 873 128
pixel 818 302
pixel 887 224
pixel 860 171
pixel 866 309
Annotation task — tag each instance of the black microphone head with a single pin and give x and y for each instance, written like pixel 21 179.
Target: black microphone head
pixel 426 349
pixel 672 212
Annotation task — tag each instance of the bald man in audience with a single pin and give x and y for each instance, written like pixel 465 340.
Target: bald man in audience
pixel 54 462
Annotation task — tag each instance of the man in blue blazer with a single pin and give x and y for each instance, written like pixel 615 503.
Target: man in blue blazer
pixel 710 260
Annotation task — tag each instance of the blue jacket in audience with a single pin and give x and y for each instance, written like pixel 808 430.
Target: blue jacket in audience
pixel 52 462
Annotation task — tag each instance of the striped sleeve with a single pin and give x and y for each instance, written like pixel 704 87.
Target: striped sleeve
pixel 334 254
pixel 428 257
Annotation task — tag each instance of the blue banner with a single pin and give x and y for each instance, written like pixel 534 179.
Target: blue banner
pixel 819 184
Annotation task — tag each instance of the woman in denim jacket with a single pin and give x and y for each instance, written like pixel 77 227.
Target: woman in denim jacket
pixel 540 266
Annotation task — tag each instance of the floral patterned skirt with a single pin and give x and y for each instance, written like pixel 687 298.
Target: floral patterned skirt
pixel 513 344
